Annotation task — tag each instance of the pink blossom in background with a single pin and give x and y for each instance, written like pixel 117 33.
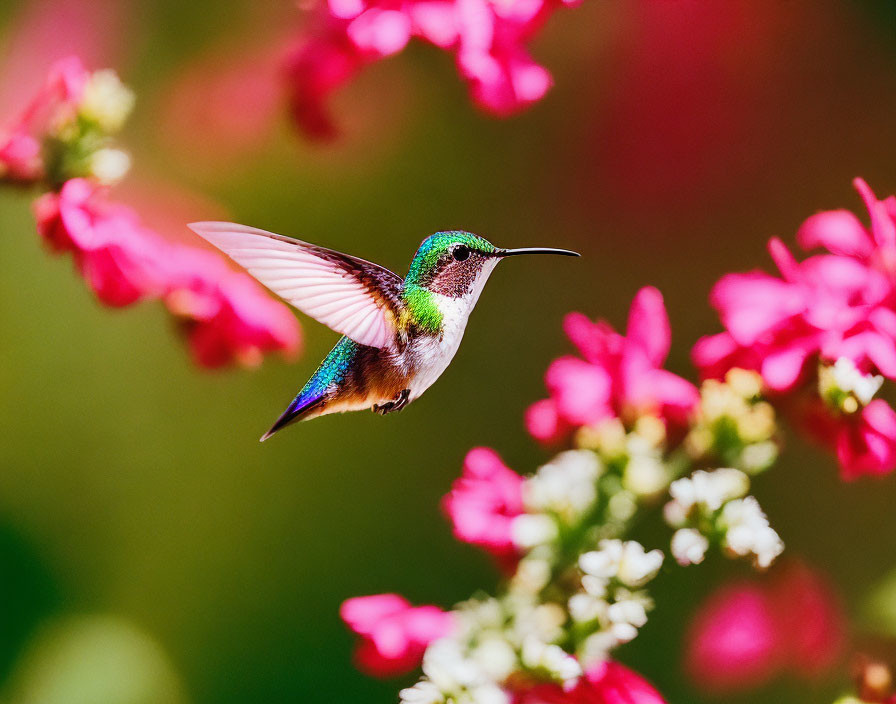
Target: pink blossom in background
pixel 618 376
pixel 835 305
pixel 393 633
pixel 606 682
pixel 748 632
pixel 487 38
pixel 119 259
pixel 483 502
pixel 57 99
pixel 46 31
pixel 227 316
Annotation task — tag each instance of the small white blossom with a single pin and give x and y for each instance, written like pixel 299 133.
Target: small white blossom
pixel 622 505
pixel 560 665
pixel 848 378
pixel 584 608
pixel 447 668
pixel 530 529
pixel 623 632
pixel 109 165
pixel 708 490
pixel 495 656
pixel 532 574
pixel 567 485
pixel 748 531
pixel 106 100
pixel 645 474
pixel 626 561
pixel 630 611
pixel 596 648
pixel 424 692
pixel 689 546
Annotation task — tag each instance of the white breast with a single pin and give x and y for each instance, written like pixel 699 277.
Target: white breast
pixel 432 354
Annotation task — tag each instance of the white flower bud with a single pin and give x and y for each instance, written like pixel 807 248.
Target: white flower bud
pixel 689 546
pixel 109 166
pixel 529 530
pixel 106 100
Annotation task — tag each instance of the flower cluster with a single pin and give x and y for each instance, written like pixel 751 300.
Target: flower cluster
pixel 823 334
pixel 712 506
pixel 487 38
pixel 576 584
pixel 61 143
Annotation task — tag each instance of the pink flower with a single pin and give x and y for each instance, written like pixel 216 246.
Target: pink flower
pixel 483 502
pixel 393 633
pixel 119 259
pixel 746 633
pixel 488 39
pixel 620 376
pixel 733 642
pixel 607 682
pixel 226 314
pixel 840 305
pixel 56 101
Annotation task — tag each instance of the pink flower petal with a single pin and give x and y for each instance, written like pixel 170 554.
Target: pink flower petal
pixel 839 231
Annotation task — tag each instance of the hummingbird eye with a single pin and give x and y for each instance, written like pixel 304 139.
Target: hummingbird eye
pixel 460 253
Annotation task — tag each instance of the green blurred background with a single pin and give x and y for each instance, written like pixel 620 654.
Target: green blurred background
pixel 678 138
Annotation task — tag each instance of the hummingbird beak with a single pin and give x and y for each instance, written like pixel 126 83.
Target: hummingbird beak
pixel 535 250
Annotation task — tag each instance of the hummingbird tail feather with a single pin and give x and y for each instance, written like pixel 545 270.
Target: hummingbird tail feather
pixel 297 410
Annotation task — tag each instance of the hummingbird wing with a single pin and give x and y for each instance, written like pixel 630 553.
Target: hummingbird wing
pixel 354 297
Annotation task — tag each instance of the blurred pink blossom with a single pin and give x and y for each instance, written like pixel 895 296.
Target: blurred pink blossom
pixel 44 32
pixel 607 682
pixel 483 502
pixel 828 307
pixel 226 314
pixel 488 39
pixel 117 257
pixel 393 633
pixel 56 100
pixel 620 376
pixel 748 632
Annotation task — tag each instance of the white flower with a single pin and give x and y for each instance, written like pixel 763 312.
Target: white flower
pixel 109 165
pixel 848 378
pixel 584 608
pixel 106 100
pixel 532 574
pixel 623 632
pixel 530 529
pixel 645 474
pixel 445 665
pixel 708 490
pixel 689 546
pixel 560 665
pixel 486 694
pixel 748 531
pixel 626 561
pixel 596 648
pixel 424 692
pixel 629 611
pixel 567 485
pixel 495 656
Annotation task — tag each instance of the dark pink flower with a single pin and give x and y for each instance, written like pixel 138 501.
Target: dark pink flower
pixel 393 633
pixel 120 260
pixel 733 642
pixel 606 682
pixel 748 632
pixel 828 307
pixel 226 314
pixel 487 38
pixel 484 501
pixel 620 376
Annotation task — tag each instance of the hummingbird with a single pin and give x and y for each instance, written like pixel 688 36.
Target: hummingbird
pixel 399 335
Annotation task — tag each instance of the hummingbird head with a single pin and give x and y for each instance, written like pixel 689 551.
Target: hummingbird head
pixel 456 264
pixel 448 273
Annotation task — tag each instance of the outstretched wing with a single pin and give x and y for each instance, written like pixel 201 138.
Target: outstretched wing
pixel 351 296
